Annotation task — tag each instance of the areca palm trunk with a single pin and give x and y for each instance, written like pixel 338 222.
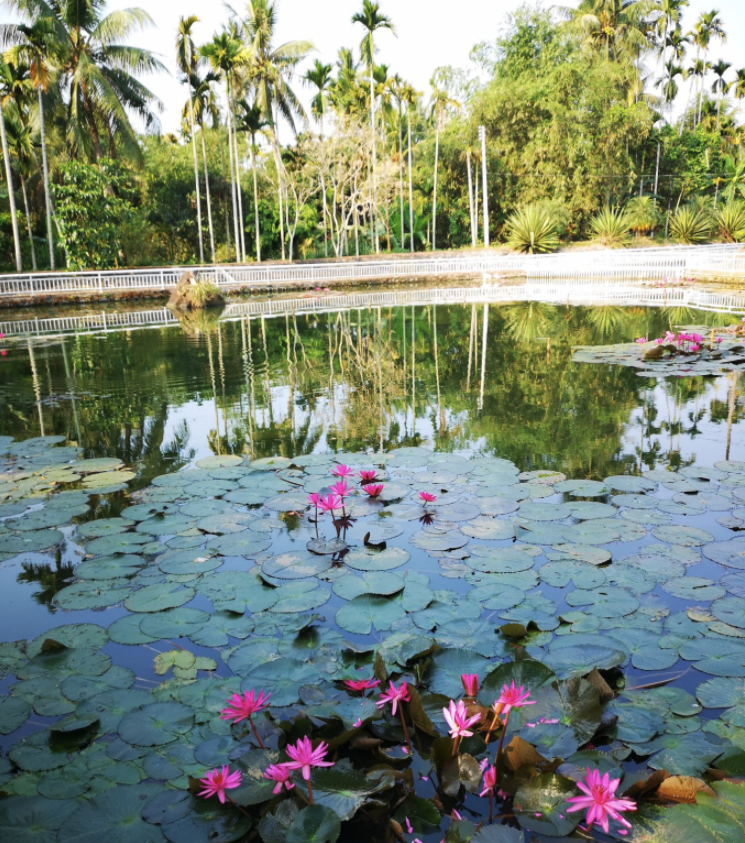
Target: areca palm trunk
pixel 434 206
pixel 256 199
pixel 232 178
pixel 373 204
pixel 196 178
pixel 411 189
pixel 28 223
pixel 280 183
pixel 209 201
pixel 11 194
pixel 470 199
pixel 239 191
pixel 45 175
pixel 701 91
pixel 401 171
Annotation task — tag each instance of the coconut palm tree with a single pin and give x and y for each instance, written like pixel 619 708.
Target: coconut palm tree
pixel 320 78
pixel 36 44
pixel 372 20
pixel 186 61
pixel 96 74
pixel 708 28
pixel 410 96
pixel 252 121
pixel 615 28
pixel 271 67
pixel 5 84
pixel 21 151
pixel 720 87
pixel 225 53
pixel 439 105
pixel 696 71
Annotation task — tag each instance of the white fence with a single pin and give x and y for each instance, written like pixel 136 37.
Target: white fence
pixel 555 293
pixel 620 265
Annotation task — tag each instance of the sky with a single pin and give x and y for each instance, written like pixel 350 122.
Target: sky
pixel 430 33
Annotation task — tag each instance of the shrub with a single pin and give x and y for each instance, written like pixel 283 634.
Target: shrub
pixel 204 294
pixel 533 229
pixel 729 221
pixel 611 227
pixel 690 225
pixel 643 216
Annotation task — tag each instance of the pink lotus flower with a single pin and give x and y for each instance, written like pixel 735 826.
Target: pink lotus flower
pixel 470 683
pixel 314 499
pixel 340 488
pixel 513 697
pixel 368 476
pixel 427 497
pixel 280 774
pixel 490 781
pixel 718 340
pixel 373 490
pixel 304 756
pixel 342 471
pixel 242 707
pixel 330 503
pixel 696 338
pixel 641 340
pixel 600 800
pixel 3 353
pixel 218 781
pixel 361 684
pixel 394 696
pixel 458 720
pixel 695 346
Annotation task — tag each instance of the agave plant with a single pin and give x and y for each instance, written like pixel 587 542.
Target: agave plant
pixel 611 227
pixel 730 221
pixel 533 229
pixel 643 216
pixel 691 225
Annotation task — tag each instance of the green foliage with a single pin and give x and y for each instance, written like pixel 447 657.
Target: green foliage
pixel 203 294
pixel 611 227
pixel 730 221
pixel 690 224
pixel 643 216
pixel 92 203
pixel 533 229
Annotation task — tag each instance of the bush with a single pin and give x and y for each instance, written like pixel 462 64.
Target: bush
pixel 729 221
pixel 690 225
pixel 533 229
pixel 611 227
pixel 643 216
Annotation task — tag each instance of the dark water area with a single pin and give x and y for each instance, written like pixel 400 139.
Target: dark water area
pixel 463 397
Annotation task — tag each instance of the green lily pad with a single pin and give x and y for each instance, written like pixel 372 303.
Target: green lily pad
pixel 684 536
pixel 446 667
pixel 156 598
pixel 372 560
pixel 156 724
pixel 544 807
pixel 283 678
pixel 361 613
pixel 32 819
pixel 295 565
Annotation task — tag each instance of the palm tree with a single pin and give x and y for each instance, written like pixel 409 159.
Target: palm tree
pixel 372 20
pixel 225 53
pixel 271 69
pixel 36 44
pixel 696 71
pixel 738 86
pixel 615 28
pixel 186 61
pixel 438 107
pixel 5 82
pixel 410 96
pixel 720 87
pixel 398 92
pixel 251 120
pixel 708 27
pixel 96 73
pixel 670 12
pixel 21 150
pixel 320 78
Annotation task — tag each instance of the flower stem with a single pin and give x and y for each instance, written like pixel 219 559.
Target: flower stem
pixel 310 793
pixel 456 743
pixel 491 806
pixel 491 728
pixel 256 734
pixel 406 731
pixel 499 746
pixel 241 809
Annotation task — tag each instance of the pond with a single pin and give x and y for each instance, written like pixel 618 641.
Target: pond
pixel 158 554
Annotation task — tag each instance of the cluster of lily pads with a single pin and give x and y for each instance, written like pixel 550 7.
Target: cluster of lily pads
pixel 692 351
pixel 619 603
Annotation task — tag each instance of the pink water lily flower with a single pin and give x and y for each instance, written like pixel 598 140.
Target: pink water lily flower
pixel 342 471
pixel 394 696
pixel 361 684
pixel 216 782
pixel 427 497
pixel 313 499
pixel 330 503
pixel 304 756
pixel 470 683
pixel 695 346
pixel 600 800
pixel 373 489
pixel 279 773
pixel 368 476
pixel 242 707
pixel 340 488
pixel 458 720
pixel 490 781
pixel 641 340
pixel 513 697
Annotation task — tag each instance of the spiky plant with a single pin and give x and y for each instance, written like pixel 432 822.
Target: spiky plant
pixel 643 215
pixel 532 229
pixel 611 227
pixel 729 221
pixel 690 225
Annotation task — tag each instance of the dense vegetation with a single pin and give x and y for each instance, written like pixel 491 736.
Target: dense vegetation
pixel 610 122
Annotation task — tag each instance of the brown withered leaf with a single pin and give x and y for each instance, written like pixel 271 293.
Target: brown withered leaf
pixel 519 752
pixel 595 678
pixel 645 786
pixel 682 789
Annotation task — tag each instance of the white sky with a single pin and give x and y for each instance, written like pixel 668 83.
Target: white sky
pixel 431 33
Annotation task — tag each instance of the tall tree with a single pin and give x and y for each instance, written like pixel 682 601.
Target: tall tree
pixel 615 28
pixel 252 121
pixel 372 20
pixel 5 83
pixel 720 87
pixel 320 78
pixel 708 28
pixel 186 61
pixel 439 105
pixel 411 97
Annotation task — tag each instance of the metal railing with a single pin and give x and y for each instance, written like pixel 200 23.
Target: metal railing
pixel 554 293
pixel 621 265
